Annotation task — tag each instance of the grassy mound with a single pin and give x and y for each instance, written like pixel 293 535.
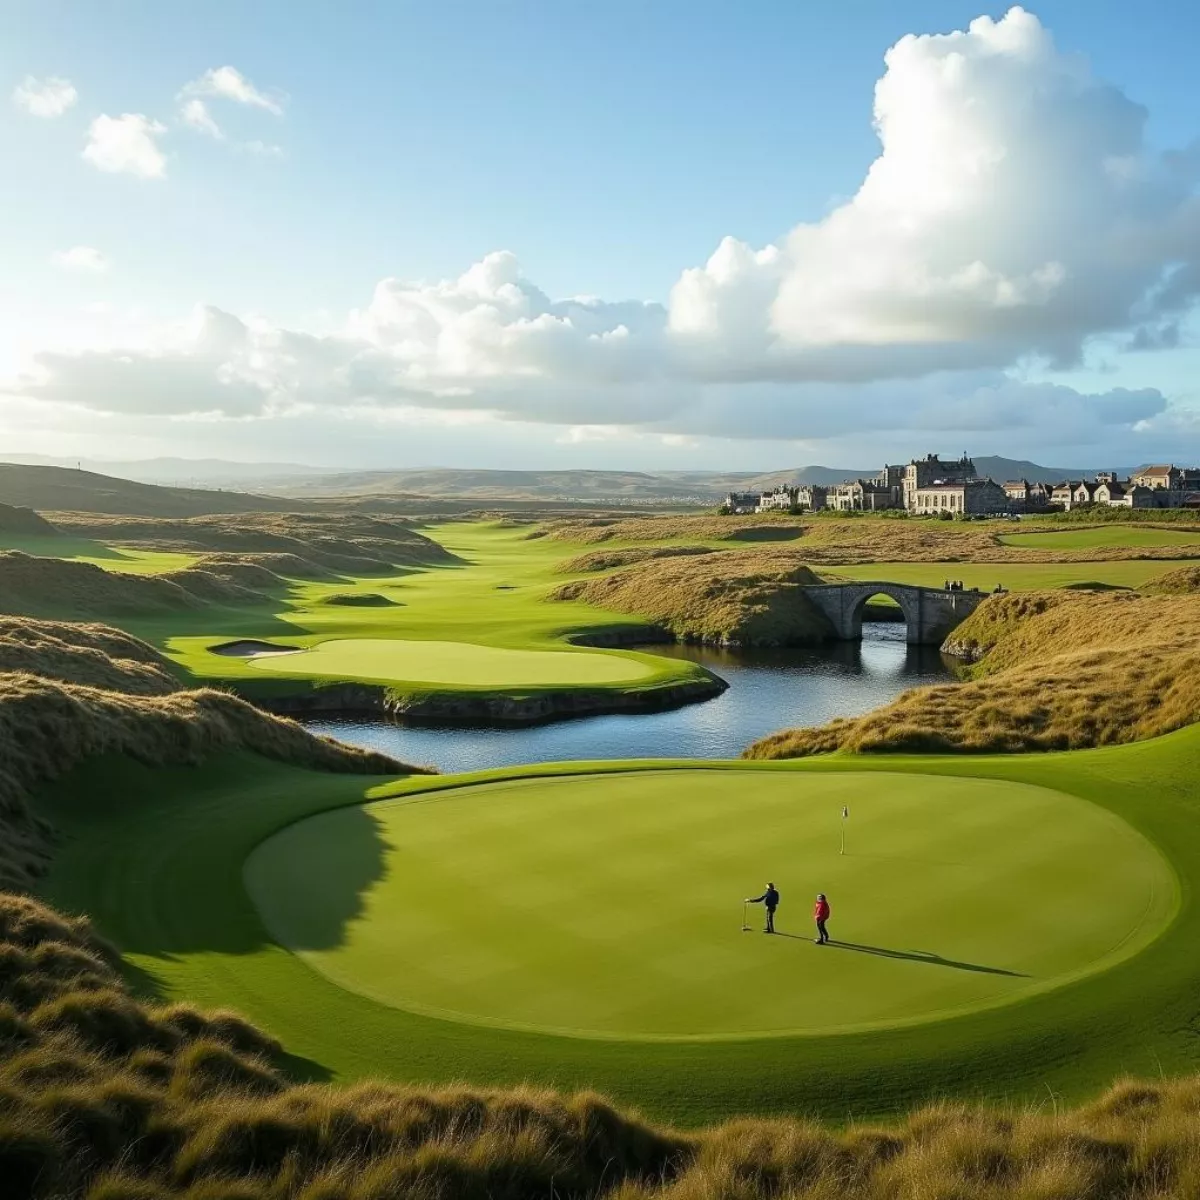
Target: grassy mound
pixel 1054 671
pixel 607 560
pixel 24 522
pixel 73 692
pixel 1183 582
pixel 55 587
pixel 245 572
pixel 91 655
pixel 278 564
pixel 739 597
pixel 359 600
pixel 353 543
pixel 103 1097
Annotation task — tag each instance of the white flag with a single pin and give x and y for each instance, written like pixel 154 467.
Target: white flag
pixel 845 812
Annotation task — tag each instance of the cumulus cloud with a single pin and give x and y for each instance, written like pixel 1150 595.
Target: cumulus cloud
pixel 82 258
pixel 194 113
pixel 126 145
pixel 228 83
pixel 1014 211
pixel 49 97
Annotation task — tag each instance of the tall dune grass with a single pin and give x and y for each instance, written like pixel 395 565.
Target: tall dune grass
pixel 1053 671
pixel 104 1097
pixel 737 597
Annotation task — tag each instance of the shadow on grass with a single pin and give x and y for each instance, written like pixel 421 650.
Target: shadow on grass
pixel 919 956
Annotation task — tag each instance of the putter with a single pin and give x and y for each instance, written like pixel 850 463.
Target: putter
pixel 745 927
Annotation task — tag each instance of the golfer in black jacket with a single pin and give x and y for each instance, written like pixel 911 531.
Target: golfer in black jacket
pixel 771 899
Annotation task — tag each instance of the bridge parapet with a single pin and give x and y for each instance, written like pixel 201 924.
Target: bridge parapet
pixel 929 613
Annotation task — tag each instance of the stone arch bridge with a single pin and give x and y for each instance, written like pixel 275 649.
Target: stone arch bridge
pixel 929 613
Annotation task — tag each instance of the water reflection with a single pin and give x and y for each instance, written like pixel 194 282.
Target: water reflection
pixel 768 690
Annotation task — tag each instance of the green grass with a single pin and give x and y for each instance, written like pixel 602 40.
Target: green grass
pixel 1016 577
pixel 158 857
pixel 455 664
pixel 111 558
pixel 491 605
pixel 1101 536
pixel 547 904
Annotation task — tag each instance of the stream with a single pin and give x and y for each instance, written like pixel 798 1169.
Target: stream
pixel 768 690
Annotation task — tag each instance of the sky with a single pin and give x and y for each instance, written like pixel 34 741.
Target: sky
pixel 678 234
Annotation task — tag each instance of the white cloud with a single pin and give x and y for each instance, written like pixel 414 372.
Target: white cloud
pixel 126 144
pixel 194 113
pixel 49 97
pixel 1014 212
pixel 82 258
pixel 229 83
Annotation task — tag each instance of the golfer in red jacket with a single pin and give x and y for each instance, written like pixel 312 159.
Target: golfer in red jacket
pixel 821 915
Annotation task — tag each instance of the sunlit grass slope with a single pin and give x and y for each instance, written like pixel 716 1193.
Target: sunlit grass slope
pixel 158 857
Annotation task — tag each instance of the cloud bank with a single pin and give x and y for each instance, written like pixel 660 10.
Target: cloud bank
pixel 1014 211
pixel 49 97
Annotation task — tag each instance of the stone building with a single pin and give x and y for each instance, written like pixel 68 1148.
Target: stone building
pixel 975 497
pixel 811 496
pixel 782 498
pixel 1024 496
pixel 741 502
pixel 931 471
pixel 862 495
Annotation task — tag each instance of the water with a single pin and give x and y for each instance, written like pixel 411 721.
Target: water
pixel 768 690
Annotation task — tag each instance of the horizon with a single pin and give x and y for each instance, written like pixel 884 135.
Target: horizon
pixel 341 248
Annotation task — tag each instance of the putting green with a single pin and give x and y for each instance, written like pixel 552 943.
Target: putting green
pixel 610 905
pixel 454 663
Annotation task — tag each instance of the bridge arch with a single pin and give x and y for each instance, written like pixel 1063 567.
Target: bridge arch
pixel 930 614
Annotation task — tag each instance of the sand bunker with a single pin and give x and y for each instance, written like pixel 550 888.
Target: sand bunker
pixel 248 648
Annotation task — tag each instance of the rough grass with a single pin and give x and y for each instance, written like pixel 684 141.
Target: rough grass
pixel 608 560
pixel 738 597
pixel 103 1097
pixel 71 692
pixel 24 522
pixel 354 543
pixel 1183 582
pixel 56 587
pixel 1053 671
pixel 828 540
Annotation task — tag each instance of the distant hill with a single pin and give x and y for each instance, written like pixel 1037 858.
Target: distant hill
pixel 183 472
pixel 48 489
pixel 406 490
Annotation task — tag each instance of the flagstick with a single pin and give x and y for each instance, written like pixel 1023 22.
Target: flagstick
pixel 843 849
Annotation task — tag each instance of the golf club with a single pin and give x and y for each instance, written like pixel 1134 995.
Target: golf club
pixel 745 927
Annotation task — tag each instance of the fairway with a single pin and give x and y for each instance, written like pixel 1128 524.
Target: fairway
pixel 461 664
pixel 1101 536
pixel 610 905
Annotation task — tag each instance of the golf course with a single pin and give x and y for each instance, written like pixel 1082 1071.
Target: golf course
pixel 1002 924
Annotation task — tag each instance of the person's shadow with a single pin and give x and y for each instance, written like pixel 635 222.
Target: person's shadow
pixel 920 956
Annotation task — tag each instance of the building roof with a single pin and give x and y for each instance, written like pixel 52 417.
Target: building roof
pixel 1159 469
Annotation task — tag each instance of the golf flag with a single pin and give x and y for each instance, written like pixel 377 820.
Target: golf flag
pixel 845 814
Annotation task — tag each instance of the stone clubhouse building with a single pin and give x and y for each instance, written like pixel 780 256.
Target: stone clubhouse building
pixel 932 486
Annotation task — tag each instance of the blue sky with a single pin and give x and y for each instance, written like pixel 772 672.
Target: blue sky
pixel 609 149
